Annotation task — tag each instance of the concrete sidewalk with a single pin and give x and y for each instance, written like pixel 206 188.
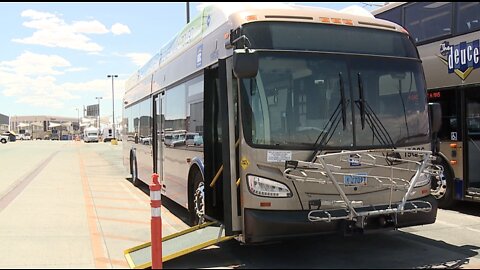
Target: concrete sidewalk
pixel 77 211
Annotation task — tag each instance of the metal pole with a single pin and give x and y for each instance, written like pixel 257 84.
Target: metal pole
pixel 98 115
pixel 78 123
pixel 98 98
pixel 188 12
pixel 113 104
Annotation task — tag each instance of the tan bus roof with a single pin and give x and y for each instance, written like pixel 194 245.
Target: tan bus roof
pixel 220 16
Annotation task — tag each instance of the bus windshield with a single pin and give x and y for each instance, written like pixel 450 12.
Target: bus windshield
pixel 296 98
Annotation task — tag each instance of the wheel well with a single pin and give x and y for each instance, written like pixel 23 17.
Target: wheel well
pixel 444 160
pixel 191 176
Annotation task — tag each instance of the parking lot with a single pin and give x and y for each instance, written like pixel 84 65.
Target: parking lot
pixel 67 204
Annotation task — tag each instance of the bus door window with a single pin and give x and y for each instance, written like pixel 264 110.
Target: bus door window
pixel 473 136
pixel 212 143
pixel 450 128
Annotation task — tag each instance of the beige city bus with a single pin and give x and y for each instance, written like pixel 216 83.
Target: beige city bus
pixel 448 38
pixel 311 121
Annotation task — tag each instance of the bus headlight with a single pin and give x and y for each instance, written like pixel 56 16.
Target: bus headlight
pixel 267 188
pixel 423 180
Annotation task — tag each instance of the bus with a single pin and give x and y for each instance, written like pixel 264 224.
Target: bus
pixel 309 121
pixel 447 37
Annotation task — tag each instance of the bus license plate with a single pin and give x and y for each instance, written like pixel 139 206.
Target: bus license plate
pixel 355 180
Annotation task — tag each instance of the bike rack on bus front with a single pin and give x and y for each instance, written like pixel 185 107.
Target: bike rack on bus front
pixel 421 161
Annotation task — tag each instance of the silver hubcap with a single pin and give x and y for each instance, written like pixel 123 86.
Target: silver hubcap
pixel 199 201
pixel 439 189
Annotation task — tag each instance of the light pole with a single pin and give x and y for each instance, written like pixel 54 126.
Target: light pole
pixel 113 103
pixel 98 98
pixel 78 119
pixel 188 12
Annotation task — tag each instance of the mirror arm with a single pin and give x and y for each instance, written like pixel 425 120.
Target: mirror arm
pixel 235 37
pixel 242 37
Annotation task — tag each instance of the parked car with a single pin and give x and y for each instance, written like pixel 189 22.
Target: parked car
pixel 4 139
pixel 10 135
pixel 198 140
pixel 24 136
pixel 190 138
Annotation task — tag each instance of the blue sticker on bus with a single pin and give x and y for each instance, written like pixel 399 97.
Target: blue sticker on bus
pixel 359 179
pixel 199 55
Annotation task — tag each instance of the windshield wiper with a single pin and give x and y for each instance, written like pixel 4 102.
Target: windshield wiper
pixel 343 101
pixel 403 105
pixel 370 117
pixel 361 101
pixel 332 124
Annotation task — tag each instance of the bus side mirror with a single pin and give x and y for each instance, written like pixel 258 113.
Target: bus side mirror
pixel 435 111
pixel 245 63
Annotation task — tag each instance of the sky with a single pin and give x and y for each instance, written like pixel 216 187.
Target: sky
pixel 55 57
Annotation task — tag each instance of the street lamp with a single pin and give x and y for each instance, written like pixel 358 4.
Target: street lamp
pixel 78 120
pixel 98 98
pixel 188 12
pixel 113 104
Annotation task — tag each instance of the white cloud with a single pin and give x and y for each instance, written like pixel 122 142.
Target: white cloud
pixel 119 29
pixel 139 59
pixel 29 63
pixel 41 91
pixel 53 31
pixel 77 69
pixel 90 27
pixel 30 79
pixel 37 15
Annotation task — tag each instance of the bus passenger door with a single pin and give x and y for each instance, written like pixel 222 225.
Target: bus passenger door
pixel 472 140
pixel 221 200
pixel 212 145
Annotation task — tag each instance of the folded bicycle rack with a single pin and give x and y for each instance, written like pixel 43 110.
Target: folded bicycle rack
pixel 393 170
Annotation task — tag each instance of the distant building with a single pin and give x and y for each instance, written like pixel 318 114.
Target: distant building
pixel 3 122
pixel 45 127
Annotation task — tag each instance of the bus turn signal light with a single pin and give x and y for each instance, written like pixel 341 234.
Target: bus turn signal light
pixel 325 19
pixel 265 204
pixel 453 162
pixel 336 20
pixel 251 18
pixel 453 145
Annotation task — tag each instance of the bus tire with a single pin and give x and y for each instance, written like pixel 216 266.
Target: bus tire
pixel 445 192
pixel 134 170
pixel 4 141
pixel 197 199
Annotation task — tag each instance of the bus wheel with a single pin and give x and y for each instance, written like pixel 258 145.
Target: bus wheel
pixel 197 211
pixel 3 141
pixel 442 187
pixel 133 164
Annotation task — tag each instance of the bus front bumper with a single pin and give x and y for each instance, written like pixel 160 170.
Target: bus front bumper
pixel 268 225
